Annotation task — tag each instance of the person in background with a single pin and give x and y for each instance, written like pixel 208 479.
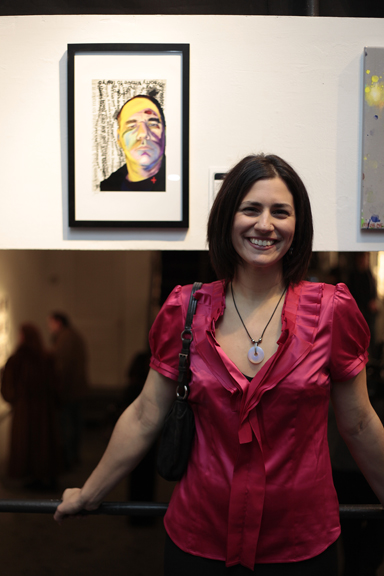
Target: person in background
pixel 268 352
pixel 70 355
pixel 30 385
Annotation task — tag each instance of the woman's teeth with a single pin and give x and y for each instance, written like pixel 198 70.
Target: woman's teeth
pixel 261 242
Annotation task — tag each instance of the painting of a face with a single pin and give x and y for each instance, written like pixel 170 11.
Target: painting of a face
pixel 141 134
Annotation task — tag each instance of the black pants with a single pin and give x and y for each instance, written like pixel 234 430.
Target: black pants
pixel 179 563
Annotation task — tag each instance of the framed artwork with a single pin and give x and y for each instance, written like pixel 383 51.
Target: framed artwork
pixel 128 135
pixel 372 193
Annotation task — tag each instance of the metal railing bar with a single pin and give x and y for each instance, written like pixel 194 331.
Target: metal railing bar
pixel 347 511
pixel 110 508
pixel 361 512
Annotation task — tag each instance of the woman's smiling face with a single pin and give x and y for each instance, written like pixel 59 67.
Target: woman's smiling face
pixel 264 224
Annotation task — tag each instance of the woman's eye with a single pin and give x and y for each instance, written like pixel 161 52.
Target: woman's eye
pixel 281 213
pixel 250 210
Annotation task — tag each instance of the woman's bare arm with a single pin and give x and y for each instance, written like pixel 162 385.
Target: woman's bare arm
pixel 361 429
pixel 133 434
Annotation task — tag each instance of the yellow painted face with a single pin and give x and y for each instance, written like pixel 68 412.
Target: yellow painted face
pixel 141 134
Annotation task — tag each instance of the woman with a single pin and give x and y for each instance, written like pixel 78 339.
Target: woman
pixel 29 384
pixel 257 495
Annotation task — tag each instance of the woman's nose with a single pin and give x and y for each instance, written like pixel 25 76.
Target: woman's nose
pixel 264 221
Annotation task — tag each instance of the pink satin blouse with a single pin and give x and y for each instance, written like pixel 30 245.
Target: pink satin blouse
pixel 258 488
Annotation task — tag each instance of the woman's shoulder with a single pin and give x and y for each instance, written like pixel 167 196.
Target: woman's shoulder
pixel 333 299
pixel 327 289
pixel 321 297
pixel 182 293
pixel 206 287
pixel 210 301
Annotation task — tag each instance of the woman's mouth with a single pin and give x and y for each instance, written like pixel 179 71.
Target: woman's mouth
pixel 258 242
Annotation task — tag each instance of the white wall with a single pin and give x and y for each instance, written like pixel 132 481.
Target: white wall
pixel 292 86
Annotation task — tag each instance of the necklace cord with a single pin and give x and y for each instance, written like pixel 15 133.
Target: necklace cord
pixel 257 342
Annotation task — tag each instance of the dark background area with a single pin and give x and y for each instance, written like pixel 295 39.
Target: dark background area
pixel 336 8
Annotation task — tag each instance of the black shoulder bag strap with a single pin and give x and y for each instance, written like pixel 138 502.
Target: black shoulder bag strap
pixel 182 390
pixel 179 425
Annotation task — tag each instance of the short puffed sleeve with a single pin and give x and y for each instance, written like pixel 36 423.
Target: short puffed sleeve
pixel 350 336
pixel 165 335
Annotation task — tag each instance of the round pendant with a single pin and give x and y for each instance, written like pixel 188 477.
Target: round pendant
pixel 256 354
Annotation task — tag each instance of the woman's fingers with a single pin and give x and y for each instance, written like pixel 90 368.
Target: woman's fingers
pixel 71 505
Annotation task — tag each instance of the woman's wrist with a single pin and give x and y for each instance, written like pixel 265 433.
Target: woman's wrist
pixel 90 497
pixel 88 501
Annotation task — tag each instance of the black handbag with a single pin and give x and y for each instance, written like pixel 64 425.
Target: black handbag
pixel 179 425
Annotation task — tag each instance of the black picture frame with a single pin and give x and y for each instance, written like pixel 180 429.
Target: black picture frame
pixel 101 78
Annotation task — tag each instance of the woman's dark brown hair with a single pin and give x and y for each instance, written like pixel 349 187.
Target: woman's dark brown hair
pixel 236 185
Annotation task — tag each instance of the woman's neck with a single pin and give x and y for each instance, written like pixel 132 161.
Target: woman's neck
pixel 258 284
